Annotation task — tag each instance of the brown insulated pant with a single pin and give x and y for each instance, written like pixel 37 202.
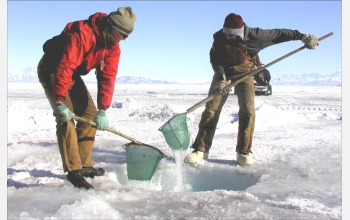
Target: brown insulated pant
pixel 210 116
pixel 75 141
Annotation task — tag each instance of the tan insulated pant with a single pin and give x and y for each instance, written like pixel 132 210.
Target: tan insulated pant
pixel 210 116
pixel 75 142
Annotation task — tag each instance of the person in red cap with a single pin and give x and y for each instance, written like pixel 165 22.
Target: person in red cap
pixel 82 46
pixel 230 56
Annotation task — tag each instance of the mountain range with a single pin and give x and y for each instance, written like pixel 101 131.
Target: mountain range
pixel 310 79
pixel 29 75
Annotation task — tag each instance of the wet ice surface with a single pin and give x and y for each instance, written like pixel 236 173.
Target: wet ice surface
pixel 296 148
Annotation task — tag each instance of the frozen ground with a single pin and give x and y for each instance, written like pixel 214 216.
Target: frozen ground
pixel 297 150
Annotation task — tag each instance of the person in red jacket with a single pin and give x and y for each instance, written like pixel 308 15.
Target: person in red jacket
pixel 82 46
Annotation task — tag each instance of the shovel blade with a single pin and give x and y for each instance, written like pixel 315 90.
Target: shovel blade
pixel 141 161
pixel 176 132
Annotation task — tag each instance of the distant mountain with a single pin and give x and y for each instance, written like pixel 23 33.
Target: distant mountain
pixel 141 80
pixel 26 75
pixel 29 75
pixel 311 79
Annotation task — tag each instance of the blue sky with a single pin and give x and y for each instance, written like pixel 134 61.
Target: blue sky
pixel 172 39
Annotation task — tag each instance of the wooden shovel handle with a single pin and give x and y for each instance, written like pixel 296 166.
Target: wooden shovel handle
pixel 108 129
pixel 118 133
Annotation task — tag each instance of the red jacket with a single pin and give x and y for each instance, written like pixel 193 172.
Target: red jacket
pixel 81 55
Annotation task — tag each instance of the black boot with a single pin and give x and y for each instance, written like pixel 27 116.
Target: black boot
pixel 77 180
pixel 91 172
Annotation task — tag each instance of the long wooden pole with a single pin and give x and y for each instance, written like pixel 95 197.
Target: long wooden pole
pixel 117 133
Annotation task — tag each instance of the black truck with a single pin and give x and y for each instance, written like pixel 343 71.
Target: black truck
pixel 262 83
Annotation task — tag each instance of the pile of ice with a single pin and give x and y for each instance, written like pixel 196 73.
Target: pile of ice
pixel 129 103
pixel 155 112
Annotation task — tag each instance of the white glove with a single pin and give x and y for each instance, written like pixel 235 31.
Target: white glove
pixel 310 41
pixel 223 89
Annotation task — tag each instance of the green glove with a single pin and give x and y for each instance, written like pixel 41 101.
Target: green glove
pixel 101 120
pixel 64 113
pixel 310 41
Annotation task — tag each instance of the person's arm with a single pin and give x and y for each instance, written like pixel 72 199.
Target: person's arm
pixel 106 78
pixel 276 36
pixel 71 58
pixel 217 50
pixel 218 70
pixel 262 38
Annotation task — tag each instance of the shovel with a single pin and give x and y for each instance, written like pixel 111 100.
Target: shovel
pixel 141 159
pixel 175 130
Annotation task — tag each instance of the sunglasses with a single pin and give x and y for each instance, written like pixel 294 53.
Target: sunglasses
pixel 233 34
pixel 230 35
pixel 124 36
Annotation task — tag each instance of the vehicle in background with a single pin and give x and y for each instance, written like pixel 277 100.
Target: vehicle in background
pixel 262 83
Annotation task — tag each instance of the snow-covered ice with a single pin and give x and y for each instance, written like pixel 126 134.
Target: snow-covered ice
pixel 297 150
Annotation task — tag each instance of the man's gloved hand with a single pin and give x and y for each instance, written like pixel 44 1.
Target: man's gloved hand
pixel 64 113
pixel 223 89
pixel 101 120
pixel 310 41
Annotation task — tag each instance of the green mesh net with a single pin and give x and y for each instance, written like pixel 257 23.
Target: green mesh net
pixel 176 132
pixel 142 161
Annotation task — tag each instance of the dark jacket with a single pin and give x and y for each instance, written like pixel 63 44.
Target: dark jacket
pixel 258 40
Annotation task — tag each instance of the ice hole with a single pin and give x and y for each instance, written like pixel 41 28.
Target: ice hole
pixel 210 176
